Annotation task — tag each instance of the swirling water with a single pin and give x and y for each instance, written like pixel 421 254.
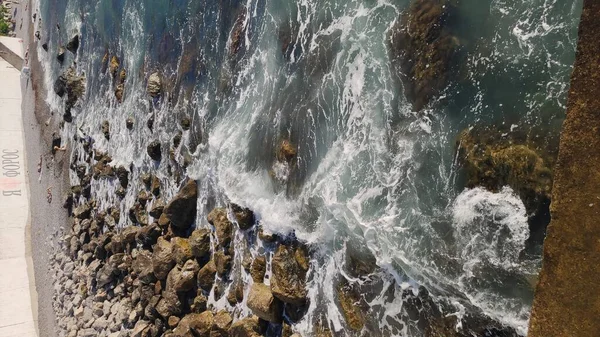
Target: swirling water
pixel 371 172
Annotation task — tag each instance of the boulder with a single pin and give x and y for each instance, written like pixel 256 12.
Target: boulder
pixel 199 303
pixel 221 323
pixel 243 216
pixel 154 85
pixel 223 227
pixel 123 176
pixel 200 243
pixel 143 267
pixel 182 251
pixel 113 66
pixel 155 185
pixel 182 279
pixel 348 299
pixel 186 123
pixel 162 258
pixel 206 275
pixel 289 267
pixel 105 127
pixel 60 55
pixel 247 327
pixel 169 305
pixel 119 92
pixel 263 304
pixel 73 44
pixel 422 49
pixel 82 212
pixel 157 208
pixel 148 235
pixel 129 123
pixel 154 150
pixel 258 269
pixel 193 325
pixel 238 33
pixel 222 262
pixel 181 211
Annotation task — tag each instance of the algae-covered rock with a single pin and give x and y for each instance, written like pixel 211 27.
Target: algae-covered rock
pixel 422 48
pixel 289 268
pixel 493 159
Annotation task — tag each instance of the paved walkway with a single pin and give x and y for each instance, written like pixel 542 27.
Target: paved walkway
pixel 17 288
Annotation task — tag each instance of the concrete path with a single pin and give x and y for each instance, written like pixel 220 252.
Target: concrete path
pixel 17 289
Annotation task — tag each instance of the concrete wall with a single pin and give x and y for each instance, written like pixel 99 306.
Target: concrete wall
pixel 567 296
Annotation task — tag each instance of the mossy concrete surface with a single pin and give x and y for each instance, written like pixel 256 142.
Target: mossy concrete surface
pixel 567 297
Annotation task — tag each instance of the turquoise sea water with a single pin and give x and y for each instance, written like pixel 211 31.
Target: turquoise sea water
pixel 371 172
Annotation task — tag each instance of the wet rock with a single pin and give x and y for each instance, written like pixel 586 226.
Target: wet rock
pixel 236 292
pixel 155 186
pixel 223 227
pixel 182 250
pixel 247 327
pixel 348 299
pixel 177 140
pixel 129 123
pixel 148 235
pixel 60 56
pixel 142 198
pixel 493 161
pixel 359 261
pixel 162 258
pixel 106 129
pixel 45 46
pixel 150 123
pixel 154 151
pixel 206 275
pixel 244 216
pixel 263 304
pixel 122 76
pixel 185 123
pixel 71 84
pixel 123 176
pixel 73 44
pixel 181 211
pixel 182 279
pixel 113 66
pixel 154 85
pixel 195 325
pixel 169 305
pixel 422 49
pixel 258 269
pixel 238 33
pixel 289 267
pixel 222 263
pixel 143 267
pixel 119 92
pixel 287 152
pixel 200 243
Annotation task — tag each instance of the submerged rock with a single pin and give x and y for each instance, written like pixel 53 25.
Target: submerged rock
pixel 181 211
pixel 106 129
pixel 287 152
pixel 129 123
pixel 422 49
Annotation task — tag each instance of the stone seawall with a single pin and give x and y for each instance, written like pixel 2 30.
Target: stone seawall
pixel 567 297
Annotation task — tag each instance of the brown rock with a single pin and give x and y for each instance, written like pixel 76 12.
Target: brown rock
pixel 162 258
pixel 173 321
pixel 258 269
pixel 119 92
pixel 114 65
pixel 200 242
pixel 222 262
pixel 181 211
pixel 263 304
pixel 182 250
pixel 199 303
pixel 206 275
pixel 155 186
pixel 244 216
pixel 349 304
pixel 142 266
pixel 182 279
pixel 221 324
pixel 287 152
pixel 168 305
pixel 223 227
pixel 247 327
pixel 195 325
pixel 288 282
pixel 157 208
